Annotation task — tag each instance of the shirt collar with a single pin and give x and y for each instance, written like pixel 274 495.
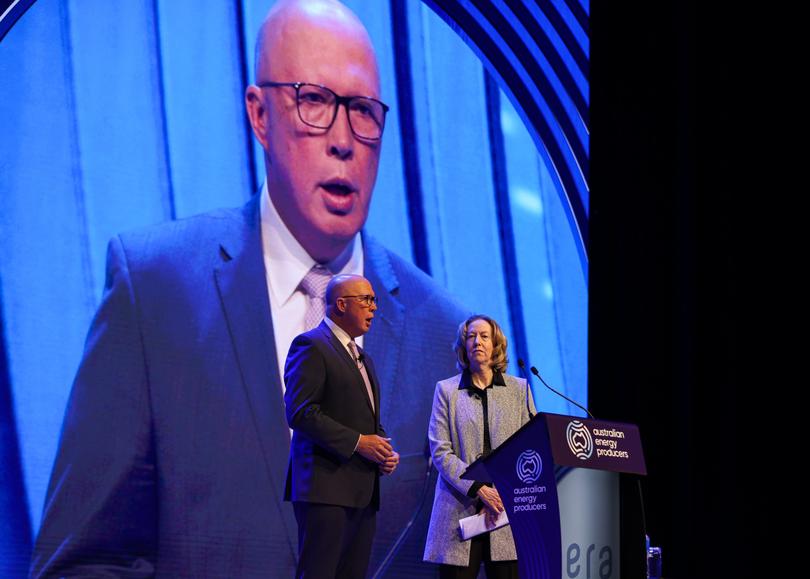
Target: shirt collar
pixel 339 332
pixel 287 262
pixel 466 381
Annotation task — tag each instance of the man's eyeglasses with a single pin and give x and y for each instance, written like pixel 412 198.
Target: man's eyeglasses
pixel 318 107
pixel 367 300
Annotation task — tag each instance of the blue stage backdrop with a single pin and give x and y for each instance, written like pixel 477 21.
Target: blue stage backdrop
pixel 119 114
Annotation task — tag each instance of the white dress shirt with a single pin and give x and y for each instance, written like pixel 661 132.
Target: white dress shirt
pixel 286 263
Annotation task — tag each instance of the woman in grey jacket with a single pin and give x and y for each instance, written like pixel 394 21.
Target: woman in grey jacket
pixel 473 413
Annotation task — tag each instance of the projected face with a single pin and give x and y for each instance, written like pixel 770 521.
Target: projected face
pixel 320 180
pixel 479 344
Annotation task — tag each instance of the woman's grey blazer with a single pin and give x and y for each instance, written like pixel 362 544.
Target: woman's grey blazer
pixel 456 439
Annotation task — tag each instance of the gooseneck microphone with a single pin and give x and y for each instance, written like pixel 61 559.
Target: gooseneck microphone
pixel 528 380
pixel 536 373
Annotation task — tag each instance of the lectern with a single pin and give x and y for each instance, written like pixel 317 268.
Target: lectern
pixel 522 469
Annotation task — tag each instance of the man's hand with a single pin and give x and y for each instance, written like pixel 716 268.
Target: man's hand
pixel 389 465
pixel 492 504
pixel 375 448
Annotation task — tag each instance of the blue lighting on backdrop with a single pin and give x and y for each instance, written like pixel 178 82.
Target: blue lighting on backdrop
pixel 120 114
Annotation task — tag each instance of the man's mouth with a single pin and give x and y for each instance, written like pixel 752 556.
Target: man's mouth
pixel 339 196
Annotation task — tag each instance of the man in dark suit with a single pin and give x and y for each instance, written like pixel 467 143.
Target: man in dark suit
pixel 338 447
pixel 174 450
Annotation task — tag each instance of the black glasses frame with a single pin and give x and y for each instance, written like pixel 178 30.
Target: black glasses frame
pixel 339 100
pixel 368 299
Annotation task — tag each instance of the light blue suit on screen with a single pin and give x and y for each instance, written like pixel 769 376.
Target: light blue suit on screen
pixel 174 449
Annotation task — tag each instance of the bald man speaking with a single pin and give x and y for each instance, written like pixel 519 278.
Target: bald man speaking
pixel 339 448
pixel 174 451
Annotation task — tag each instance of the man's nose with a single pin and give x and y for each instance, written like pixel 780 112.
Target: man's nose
pixel 341 138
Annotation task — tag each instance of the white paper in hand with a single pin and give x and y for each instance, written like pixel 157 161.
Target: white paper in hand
pixel 469 527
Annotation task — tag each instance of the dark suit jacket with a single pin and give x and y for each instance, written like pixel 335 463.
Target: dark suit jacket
pixel 174 448
pixel 328 408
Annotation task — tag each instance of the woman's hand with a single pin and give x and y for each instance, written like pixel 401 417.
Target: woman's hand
pixel 493 505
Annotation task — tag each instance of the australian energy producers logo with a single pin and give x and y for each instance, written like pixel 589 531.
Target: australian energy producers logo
pixel 529 467
pixel 579 440
pixel 606 441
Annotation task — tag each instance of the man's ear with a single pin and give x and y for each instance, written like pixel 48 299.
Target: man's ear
pixel 340 305
pixel 257 113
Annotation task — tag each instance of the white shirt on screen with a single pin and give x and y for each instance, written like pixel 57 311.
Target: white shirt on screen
pixel 286 263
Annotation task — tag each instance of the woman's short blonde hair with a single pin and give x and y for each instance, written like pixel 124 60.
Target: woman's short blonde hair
pixel 499 358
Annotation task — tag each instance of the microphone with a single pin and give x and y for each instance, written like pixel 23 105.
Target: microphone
pixel 523 371
pixel 577 404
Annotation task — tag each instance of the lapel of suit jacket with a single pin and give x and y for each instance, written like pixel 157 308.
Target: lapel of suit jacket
pixel 339 349
pixel 242 286
pixel 343 354
pixel 383 341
